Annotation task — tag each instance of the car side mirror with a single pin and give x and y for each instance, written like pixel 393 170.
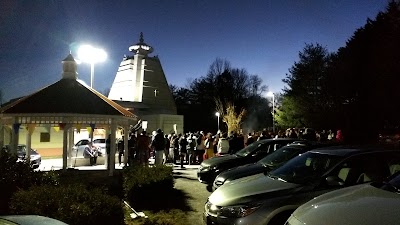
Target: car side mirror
pixel 334 181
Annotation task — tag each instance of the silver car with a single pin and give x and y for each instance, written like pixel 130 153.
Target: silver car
pixel 368 204
pixel 271 198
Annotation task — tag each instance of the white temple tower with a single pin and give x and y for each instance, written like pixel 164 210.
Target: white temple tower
pixel 128 83
pixel 141 86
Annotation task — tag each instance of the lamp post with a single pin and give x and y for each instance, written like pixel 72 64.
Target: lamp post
pixel 217 114
pixel 91 55
pixel 271 94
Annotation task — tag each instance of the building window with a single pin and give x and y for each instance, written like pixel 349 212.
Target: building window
pixel 44 137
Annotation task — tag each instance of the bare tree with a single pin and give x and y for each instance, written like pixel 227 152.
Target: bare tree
pixel 229 115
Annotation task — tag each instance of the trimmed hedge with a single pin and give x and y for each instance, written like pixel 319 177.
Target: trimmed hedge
pixel 19 175
pixel 144 186
pixel 74 205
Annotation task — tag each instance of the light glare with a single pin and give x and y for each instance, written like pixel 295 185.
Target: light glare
pixel 90 54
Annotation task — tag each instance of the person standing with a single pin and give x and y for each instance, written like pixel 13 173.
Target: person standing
pixel 191 151
pixel 209 143
pixel 131 148
pixel 142 147
pixel 250 139
pixel 223 145
pixel 158 144
pixel 166 150
pixel 108 150
pixel 200 148
pixel 183 143
pixel 120 149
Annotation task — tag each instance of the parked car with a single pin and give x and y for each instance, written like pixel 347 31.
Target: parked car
pixel 79 147
pixel 29 220
pixel 210 168
pixel 368 204
pixel 266 164
pixel 100 143
pixel 271 198
pixel 35 157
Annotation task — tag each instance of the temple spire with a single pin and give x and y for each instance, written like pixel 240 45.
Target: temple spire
pixel 141 48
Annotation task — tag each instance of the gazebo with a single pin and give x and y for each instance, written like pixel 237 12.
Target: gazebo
pixel 69 104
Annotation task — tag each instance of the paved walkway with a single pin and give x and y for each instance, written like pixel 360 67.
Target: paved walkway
pixel 186 181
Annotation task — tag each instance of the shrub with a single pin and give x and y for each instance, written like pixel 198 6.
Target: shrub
pixel 71 204
pixel 19 175
pixel 144 185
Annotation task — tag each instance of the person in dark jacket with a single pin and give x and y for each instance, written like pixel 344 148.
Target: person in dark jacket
pixel 90 152
pixel 158 144
pixel 183 143
pixel 120 150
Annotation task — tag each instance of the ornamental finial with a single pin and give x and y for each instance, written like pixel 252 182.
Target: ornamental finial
pixel 141 40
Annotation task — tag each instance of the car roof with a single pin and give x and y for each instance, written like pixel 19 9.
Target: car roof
pixel 345 150
pixel 276 140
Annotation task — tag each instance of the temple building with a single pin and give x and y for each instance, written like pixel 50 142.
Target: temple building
pixel 140 86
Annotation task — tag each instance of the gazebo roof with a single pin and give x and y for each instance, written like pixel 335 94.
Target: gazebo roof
pixel 67 96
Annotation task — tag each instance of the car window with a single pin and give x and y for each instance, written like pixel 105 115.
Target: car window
pixel 99 141
pixel 306 167
pixel 249 149
pixel 279 156
pixel 361 169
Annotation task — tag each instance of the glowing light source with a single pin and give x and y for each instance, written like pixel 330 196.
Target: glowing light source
pixel 217 114
pixel 91 55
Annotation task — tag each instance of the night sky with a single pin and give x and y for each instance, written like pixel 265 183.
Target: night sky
pixel 262 36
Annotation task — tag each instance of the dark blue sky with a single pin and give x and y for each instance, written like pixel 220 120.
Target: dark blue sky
pixel 262 36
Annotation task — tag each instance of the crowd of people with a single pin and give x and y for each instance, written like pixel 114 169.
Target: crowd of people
pixel 194 147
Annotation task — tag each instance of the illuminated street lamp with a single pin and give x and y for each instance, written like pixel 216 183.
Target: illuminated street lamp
pixel 217 114
pixel 271 94
pixel 91 55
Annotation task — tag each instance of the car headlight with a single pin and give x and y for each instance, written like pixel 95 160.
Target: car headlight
pixel 236 211
pixel 208 168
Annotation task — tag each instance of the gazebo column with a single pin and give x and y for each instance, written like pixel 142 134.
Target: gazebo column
pixel 28 145
pixel 107 156
pixel 126 136
pixel 65 146
pixel 70 145
pixel 112 147
pixel 15 137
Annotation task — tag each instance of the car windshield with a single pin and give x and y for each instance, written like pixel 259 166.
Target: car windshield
pixel 249 149
pixel 99 141
pixel 306 167
pixel 280 156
